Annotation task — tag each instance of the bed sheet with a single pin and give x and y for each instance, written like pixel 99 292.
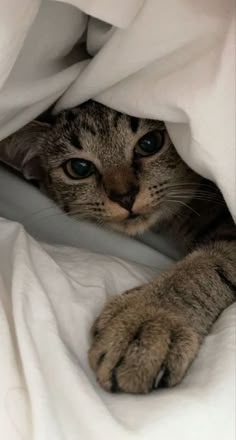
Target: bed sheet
pixel 49 297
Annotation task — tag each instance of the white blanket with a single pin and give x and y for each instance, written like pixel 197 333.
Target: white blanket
pixel 49 297
pixel 167 59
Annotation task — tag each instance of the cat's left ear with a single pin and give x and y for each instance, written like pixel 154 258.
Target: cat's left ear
pixel 22 150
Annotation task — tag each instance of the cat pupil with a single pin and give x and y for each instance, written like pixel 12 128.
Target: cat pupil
pixel 81 167
pixel 78 168
pixel 149 144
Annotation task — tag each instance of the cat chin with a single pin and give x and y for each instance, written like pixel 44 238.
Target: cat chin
pixel 135 226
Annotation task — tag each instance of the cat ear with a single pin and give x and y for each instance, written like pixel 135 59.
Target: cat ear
pixel 21 150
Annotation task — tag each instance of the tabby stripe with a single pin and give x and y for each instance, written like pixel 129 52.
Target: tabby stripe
pixel 87 127
pixel 226 280
pixel 195 302
pixel 75 141
pixel 117 116
pixel 70 115
pixel 189 303
pixel 202 303
pixel 134 124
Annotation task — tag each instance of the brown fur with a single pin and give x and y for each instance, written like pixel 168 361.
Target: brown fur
pixel 148 336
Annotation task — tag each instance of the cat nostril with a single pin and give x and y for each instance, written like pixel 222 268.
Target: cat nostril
pixel 126 200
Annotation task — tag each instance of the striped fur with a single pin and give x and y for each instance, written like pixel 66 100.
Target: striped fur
pixel 149 336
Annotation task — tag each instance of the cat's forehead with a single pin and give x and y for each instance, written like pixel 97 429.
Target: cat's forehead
pixel 101 131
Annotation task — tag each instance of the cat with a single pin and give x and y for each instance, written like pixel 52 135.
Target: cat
pixel 124 172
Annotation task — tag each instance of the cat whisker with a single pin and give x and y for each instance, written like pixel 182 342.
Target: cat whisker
pixel 174 213
pixel 192 188
pixel 193 191
pixel 191 195
pixel 184 204
pixel 49 208
pixel 195 184
pixel 197 196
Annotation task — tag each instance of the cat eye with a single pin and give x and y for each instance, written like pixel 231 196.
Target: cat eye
pixel 78 168
pixel 151 143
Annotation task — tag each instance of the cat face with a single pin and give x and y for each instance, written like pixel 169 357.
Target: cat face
pixel 112 168
pixel 99 164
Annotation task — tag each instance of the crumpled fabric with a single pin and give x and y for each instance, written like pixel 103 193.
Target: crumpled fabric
pixel 166 59
pixel 49 298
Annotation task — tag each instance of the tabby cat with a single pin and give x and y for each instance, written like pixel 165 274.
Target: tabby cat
pixel 124 172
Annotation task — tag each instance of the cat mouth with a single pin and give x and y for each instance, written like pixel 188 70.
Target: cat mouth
pixel 132 216
pixel 135 223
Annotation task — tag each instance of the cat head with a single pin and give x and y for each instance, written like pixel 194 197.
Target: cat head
pixel 99 164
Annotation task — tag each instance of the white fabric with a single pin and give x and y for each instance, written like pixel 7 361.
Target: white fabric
pixel 167 59
pixel 172 60
pixel 49 297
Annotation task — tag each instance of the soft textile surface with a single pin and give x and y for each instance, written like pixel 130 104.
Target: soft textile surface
pixel 49 297
pixel 167 59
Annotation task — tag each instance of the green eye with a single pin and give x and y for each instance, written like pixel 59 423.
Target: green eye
pixel 149 144
pixel 79 168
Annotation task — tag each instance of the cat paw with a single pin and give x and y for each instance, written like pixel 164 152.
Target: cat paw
pixel 139 346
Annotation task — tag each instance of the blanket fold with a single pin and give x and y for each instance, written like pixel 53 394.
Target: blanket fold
pixel 167 59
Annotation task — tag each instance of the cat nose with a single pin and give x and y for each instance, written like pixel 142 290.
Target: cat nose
pixel 126 200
